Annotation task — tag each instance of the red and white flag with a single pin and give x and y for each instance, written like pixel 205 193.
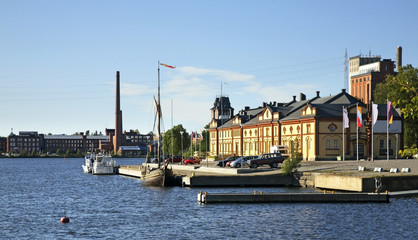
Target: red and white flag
pixel 166 65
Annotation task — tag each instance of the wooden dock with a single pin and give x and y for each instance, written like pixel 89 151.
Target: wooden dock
pixel 260 197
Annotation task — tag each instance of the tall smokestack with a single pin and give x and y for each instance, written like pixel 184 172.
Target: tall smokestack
pixel 118 117
pixel 398 58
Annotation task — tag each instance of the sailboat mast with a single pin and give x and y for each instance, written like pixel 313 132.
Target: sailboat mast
pixel 159 117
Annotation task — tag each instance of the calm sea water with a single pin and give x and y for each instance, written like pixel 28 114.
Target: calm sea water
pixel 35 193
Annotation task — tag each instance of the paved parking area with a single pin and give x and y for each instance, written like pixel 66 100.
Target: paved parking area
pixel 352 166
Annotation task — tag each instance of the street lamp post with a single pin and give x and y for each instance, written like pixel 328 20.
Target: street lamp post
pixel 181 132
pixel 242 144
pixel 396 135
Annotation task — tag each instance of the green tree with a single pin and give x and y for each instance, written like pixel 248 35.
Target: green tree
pixel 23 153
pixel 176 141
pixel 291 164
pixel 401 90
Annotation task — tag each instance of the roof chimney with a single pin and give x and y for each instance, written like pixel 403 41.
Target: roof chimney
pixel 302 97
pixel 294 98
pixel 343 90
pixel 317 93
pixel 398 58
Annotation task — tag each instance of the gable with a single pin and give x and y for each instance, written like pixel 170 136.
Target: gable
pixel 308 110
pixel 265 115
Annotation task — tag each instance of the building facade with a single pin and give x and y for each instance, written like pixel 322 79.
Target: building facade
pixel 31 141
pixel 3 144
pixel 312 126
pixel 28 141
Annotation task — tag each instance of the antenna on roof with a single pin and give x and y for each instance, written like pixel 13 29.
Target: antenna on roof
pixel 346 70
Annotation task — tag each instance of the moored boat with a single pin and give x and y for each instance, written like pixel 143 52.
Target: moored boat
pixel 161 176
pixel 103 164
pixel 88 165
pixel 157 177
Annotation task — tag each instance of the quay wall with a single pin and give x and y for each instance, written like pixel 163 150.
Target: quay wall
pixel 365 184
pixel 238 181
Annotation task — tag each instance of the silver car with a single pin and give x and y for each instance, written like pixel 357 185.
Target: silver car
pixel 241 161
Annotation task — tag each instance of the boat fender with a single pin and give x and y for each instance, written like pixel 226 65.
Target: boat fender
pixel 65 219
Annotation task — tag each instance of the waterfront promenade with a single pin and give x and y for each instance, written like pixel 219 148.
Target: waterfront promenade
pixel 351 166
pixel 332 175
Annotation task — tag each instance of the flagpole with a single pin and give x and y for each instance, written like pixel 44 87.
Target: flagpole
pixel 357 130
pixel 343 137
pixel 200 144
pixel 387 130
pixel 372 127
pixel 222 129
pixel 172 133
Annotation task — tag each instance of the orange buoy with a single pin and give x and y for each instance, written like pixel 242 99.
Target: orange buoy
pixel 65 219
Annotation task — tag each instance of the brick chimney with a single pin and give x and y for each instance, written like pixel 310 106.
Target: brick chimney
pixel 118 117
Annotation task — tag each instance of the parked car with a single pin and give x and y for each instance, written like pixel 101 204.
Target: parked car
pixel 192 160
pixel 271 159
pixel 228 163
pixel 241 161
pixel 176 159
pixel 222 163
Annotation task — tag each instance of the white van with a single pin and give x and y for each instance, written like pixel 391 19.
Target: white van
pixel 283 149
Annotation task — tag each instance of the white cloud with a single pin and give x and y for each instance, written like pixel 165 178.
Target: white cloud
pixel 129 89
pixel 217 74
pixel 193 91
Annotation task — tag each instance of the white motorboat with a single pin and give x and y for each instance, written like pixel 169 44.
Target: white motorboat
pixel 103 164
pixel 88 165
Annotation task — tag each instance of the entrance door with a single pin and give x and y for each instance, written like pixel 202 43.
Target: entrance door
pixel 360 150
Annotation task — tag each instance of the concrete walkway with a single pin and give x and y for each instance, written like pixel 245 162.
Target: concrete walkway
pixel 352 166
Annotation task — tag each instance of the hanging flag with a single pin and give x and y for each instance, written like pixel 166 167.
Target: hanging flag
pixel 166 65
pixel 390 114
pixel 345 117
pixel 359 118
pixel 201 135
pixel 375 112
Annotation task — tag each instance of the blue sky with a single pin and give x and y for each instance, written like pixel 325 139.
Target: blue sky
pixel 58 59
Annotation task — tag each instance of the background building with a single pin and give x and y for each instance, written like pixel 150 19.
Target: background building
pixel 368 71
pixel 3 144
pixel 28 141
pixel 31 141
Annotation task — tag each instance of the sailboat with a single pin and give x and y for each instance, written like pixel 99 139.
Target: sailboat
pixel 162 175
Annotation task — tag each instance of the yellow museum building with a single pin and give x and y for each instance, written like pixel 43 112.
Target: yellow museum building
pixel 313 126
